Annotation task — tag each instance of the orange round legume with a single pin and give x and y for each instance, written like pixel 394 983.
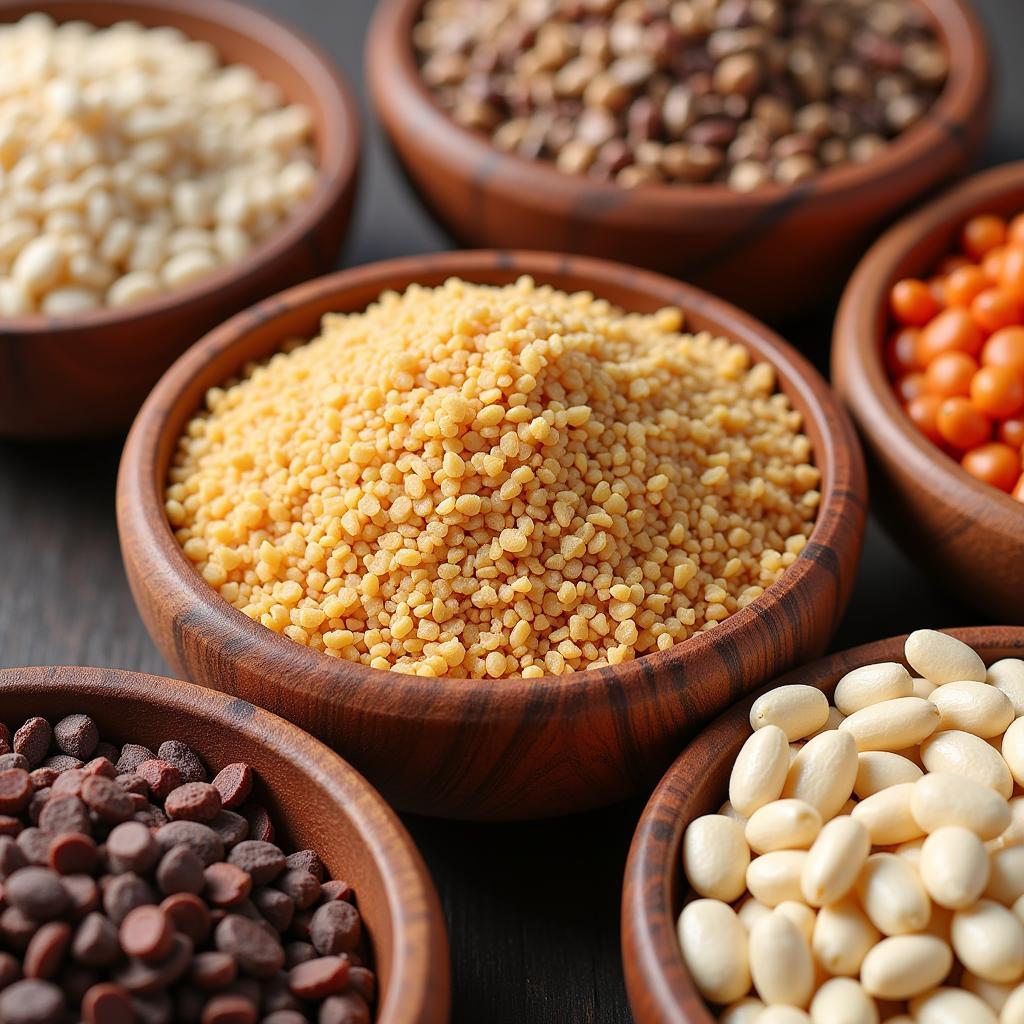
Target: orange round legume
pixel 994 463
pixel 952 330
pixel 913 385
pixel 913 302
pixel 1015 232
pixel 997 391
pixel 1005 348
pixel 1011 432
pixel 1013 271
pixel 964 285
pixel 951 263
pixel 981 234
pixel 962 425
pixel 923 412
pixel 993 262
pixel 901 352
pixel 949 374
pixel 1018 491
pixel 995 308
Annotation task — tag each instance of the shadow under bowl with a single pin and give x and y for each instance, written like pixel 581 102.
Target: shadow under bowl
pixel 87 375
pixel 317 800
pixel 776 251
pixel 966 534
pixel 488 749
pixel 660 988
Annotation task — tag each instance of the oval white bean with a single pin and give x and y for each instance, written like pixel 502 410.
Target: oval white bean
pixel 963 753
pixel 904 966
pixel 892 895
pixel 892 725
pixel 951 1006
pixel 843 1001
pixel 797 709
pixel 954 867
pixel 834 861
pixel 871 684
pixel 750 910
pixel 760 770
pixel 780 962
pixel 775 877
pixel 923 687
pixel 714 946
pixel 990 992
pixel 1006 875
pixel 941 799
pixel 988 939
pixel 1008 676
pixel 887 817
pixel 842 937
pixel 941 658
pixel 1012 749
pixel 823 773
pixel 879 769
pixel 783 1015
pixel 1013 1008
pixel 973 707
pixel 715 857
pixel 801 915
pixel 783 825
pixel 746 1011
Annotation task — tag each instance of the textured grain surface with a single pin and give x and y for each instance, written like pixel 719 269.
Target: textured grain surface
pixel 533 909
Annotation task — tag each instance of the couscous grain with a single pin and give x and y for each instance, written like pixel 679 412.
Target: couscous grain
pixel 495 481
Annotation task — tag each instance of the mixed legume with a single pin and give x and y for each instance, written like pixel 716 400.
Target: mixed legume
pixel 132 162
pixel 957 358
pixel 491 481
pixel 869 862
pixel 135 887
pixel 745 92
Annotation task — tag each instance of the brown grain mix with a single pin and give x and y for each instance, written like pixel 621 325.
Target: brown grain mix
pixel 491 481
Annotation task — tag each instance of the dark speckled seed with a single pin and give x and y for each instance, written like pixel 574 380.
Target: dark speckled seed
pixel 348 1008
pixel 231 827
pixel 107 750
pixel 14 760
pixel 65 814
pixel 131 847
pixel 307 860
pixel 95 943
pixel 131 756
pixel 260 825
pixel 234 783
pixel 275 906
pixel 193 801
pixel 123 893
pixel 201 839
pixel 335 928
pixel 12 857
pixel 62 762
pixel 301 886
pixel 37 892
pixel 107 800
pixel 15 791
pixel 5 739
pixel 263 861
pixel 33 740
pixel 180 870
pixel 77 735
pixel 255 950
pixel 162 776
pixel 32 1002
pixel 185 759
pixel 35 844
pixel 84 893
pixel 298 953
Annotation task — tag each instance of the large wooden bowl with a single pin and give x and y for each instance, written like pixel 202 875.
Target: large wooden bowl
pixel 968 535
pixel 509 748
pixel 317 800
pixel 659 986
pixel 87 375
pixel 773 252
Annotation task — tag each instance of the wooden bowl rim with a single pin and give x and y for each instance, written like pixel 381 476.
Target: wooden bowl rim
pixel 395 82
pixel 412 902
pixel 859 368
pixel 140 506
pixel 337 169
pixel 653 962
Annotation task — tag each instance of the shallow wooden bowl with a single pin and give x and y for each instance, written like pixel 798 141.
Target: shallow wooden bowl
pixel 774 252
pixel 654 891
pixel 968 535
pixel 510 748
pixel 87 375
pixel 318 801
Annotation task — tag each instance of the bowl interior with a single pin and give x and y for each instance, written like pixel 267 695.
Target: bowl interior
pixel 278 54
pixel 698 783
pixel 317 800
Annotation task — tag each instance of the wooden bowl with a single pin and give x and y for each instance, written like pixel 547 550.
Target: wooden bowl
pixel 659 986
pixel 87 375
pixel 774 252
pixel 968 535
pixel 511 748
pixel 318 801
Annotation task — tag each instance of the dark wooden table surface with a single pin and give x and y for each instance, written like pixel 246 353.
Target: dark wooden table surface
pixel 532 908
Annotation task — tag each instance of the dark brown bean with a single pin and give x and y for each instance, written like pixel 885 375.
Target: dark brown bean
pixel 123 893
pixel 46 950
pixel 260 826
pixel 193 801
pixel 148 979
pixel 231 827
pixel 226 885
pixel 348 1008
pixel 180 870
pixel 255 950
pixel 234 783
pixel 364 982
pixel 15 791
pixel 64 814
pixel 131 756
pixel 212 972
pixel 62 763
pixel 100 766
pixel 73 854
pixel 37 893
pixel 77 735
pixel 107 1004
pixel 336 890
pixel 32 1002
pixel 95 943
pixel 146 933
pixel 190 915
pixel 230 1009
pixel 300 886
pixel 35 845
pixel 133 784
pixel 317 979
pixel 275 906
pixel 263 861
pixel 33 740
pixel 335 928
pixel 131 847
pixel 68 783
pixel 185 759
pixel 162 776
pixel 307 860
pixel 201 839
pixel 17 929
pixel 11 857
pixel 84 894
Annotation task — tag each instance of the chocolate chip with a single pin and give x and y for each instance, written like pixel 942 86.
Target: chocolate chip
pixel 73 854
pixel 212 972
pixel 107 1004
pixel 147 933
pixel 131 847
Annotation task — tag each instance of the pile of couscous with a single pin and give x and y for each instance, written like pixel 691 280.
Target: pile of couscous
pixel 495 481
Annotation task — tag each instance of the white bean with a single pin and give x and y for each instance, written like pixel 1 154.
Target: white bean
pixel 954 867
pixel 989 941
pixel 801 915
pixel 893 724
pixel 714 946
pixel 783 825
pixel 871 684
pixel 923 687
pixel 774 877
pixel 941 799
pixel 887 817
pixel 1012 749
pixel 973 707
pixel 879 769
pixel 834 861
pixel 133 288
pixel 1006 878
pixel 963 753
pixel 1013 1008
pixel 892 895
pixel 715 857
pixel 783 1015
pixel 188 266
pixel 904 966
pixel 760 770
pixel 1008 676
pixel 746 1011
pixel 797 709
pixel 780 962
pixel 951 1006
pixel 991 992
pixel 843 1001
pixel 824 771
pixel 1013 834
pixel 39 264
pixel 750 910
pixel 941 658
pixel 842 937
pixel 69 301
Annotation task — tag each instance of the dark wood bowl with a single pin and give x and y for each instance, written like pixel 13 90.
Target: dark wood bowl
pixel 968 535
pixel 774 252
pixel 510 748
pixel 654 891
pixel 87 375
pixel 318 800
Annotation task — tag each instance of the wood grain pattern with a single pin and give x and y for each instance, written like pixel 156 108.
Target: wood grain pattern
pixel 775 252
pixel 319 801
pixel 473 748
pixel 660 989
pixel 88 375
pixel 968 535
